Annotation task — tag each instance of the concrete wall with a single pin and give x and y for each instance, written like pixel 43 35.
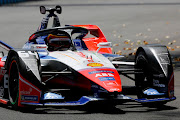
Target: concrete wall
pixel 10 1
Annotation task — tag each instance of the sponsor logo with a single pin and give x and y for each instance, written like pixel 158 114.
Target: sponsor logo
pixel 106 78
pixel 109 84
pixel 114 89
pixel 81 54
pixel 89 58
pixel 41 47
pixel 104 75
pixel 164 59
pixel 29 98
pixel 26 92
pixel 157 84
pixel 95 64
pixel 101 71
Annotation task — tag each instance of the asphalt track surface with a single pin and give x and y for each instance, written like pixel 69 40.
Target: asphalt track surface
pixel 155 21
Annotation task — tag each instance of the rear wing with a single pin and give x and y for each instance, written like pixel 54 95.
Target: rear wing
pixel 96 37
pixel 93 29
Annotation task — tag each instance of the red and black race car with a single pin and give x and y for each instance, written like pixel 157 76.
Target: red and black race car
pixel 74 65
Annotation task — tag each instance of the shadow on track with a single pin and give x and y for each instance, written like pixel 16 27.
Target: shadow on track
pixel 139 108
pixel 129 108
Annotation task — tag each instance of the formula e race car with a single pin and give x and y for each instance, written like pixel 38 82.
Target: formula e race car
pixel 74 65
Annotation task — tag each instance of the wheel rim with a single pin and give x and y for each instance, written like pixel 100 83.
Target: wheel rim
pixel 13 83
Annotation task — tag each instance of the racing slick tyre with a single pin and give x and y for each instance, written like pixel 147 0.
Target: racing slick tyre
pixel 142 81
pixel 13 83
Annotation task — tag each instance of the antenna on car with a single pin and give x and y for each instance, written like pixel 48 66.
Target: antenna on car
pixel 44 22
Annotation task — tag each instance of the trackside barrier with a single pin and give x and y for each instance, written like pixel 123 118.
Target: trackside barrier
pixel 2 2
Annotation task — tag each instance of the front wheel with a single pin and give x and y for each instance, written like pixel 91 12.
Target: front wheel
pixel 142 81
pixel 13 85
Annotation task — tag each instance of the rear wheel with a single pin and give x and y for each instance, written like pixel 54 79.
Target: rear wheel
pixel 13 85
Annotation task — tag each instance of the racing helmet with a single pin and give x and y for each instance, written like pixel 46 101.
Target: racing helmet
pixel 58 42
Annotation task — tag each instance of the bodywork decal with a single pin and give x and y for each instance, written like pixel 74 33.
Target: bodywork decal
pixel 89 58
pixel 110 83
pixel 104 75
pixel 46 57
pixel 22 80
pixel 29 98
pixel 69 57
pixel 101 71
pixel 109 79
pixel 106 78
pixel 95 64
pixel 27 91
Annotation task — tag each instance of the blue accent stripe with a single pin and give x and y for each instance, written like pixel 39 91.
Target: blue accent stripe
pixel 154 100
pixel 6 45
pixel 33 104
pixel 46 57
pixel 82 101
pixel 111 55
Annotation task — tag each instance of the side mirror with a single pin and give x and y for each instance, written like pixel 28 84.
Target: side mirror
pixel 58 9
pixel 103 45
pixel 42 10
